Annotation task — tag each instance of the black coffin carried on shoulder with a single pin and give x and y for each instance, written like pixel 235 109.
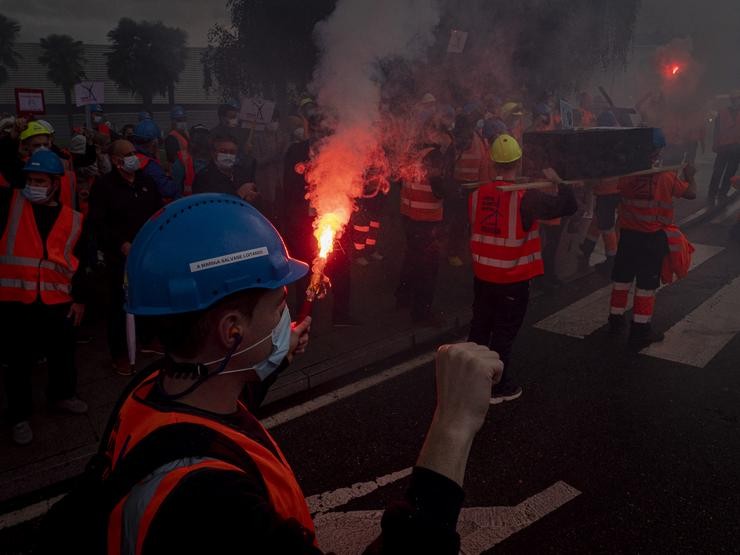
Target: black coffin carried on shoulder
pixel 588 153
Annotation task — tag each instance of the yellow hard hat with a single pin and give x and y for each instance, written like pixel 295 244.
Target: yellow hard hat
pixel 505 150
pixel 34 128
pixel 512 109
pixel 305 100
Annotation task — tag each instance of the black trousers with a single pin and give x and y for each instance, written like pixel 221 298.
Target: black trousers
pixel 115 314
pixel 29 330
pixel 420 266
pixel 456 215
pixel 725 167
pixel 550 241
pixel 498 314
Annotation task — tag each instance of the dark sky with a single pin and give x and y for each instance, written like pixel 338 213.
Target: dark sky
pixel 90 20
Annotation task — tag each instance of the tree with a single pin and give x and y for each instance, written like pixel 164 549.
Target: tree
pixel 146 58
pixel 63 57
pixel 268 43
pixel 9 30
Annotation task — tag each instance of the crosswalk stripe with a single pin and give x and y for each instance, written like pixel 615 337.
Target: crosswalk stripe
pixel 588 314
pixel 704 332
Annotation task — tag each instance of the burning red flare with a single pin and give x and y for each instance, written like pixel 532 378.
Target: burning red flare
pixel 675 70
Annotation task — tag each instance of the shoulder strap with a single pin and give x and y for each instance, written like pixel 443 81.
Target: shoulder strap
pixel 173 442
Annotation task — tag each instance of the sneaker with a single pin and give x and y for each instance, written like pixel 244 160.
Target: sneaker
pixel 377 256
pixel 643 335
pixel 73 405
pixel 455 261
pixel 362 261
pixel 508 393
pixel 22 433
pixel 123 367
pixel 617 324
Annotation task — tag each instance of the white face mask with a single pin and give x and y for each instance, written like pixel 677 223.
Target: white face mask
pixel 39 149
pixel 131 163
pixel 225 161
pixel 280 336
pixel 97 119
pixel 181 125
pixel 36 194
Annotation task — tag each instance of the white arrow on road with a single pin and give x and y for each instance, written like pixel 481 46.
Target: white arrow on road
pixel 480 528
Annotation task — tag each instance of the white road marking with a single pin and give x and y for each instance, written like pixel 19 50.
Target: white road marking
pixel 480 528
pixel 588 314
pixel 324 502
pixel 704 332
pixel 346 391
pixel 25 514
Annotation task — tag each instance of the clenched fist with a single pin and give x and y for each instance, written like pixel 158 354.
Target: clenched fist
pixel 465 374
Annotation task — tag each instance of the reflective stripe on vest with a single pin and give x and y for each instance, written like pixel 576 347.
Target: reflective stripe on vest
pixel 647 202
pixel 418 201
pixel 25 274
pixel 502 251
pixel 183 154
pixel 129 522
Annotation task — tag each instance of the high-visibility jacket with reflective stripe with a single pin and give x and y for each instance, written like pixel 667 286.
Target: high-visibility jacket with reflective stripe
pixel 473 164
pixel 647 201
pixel 502 251
pixel 677 262
pixel 132 517
pixel 728 131
pixel 26 271
pixel 183 154
pixel 418 201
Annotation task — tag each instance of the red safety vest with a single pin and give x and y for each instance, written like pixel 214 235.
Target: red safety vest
pixel 183 154
pixel 26 272
pixel 502 251
pixel 418 201
pixel 677 262
pixel 647 201
pixel 729 128
pixel 473 164
pixel 137 510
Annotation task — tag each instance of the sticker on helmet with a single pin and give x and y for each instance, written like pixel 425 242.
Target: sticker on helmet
pixel 228 259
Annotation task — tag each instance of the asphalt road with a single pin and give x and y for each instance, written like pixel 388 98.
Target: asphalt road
pixel 607 451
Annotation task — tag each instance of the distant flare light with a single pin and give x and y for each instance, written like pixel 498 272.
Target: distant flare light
pixel 675 70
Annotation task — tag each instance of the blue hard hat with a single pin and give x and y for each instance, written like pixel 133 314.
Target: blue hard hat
pixel 144 115
pixel 542 109
pixel 44 161
pixel 607 119
pixel 146 131
pixel 200 249
pixel 177 112
pixel 658 138
pixel 95 108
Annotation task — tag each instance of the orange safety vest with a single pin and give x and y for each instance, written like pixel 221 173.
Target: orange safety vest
pixel 418 201
pixel 647 201
pixel 729 128
pixel 502 251
pixel 473 164
pixel 143 160
pixel 135 513
pixel 677 262
pixel 183 154
pixel 26 271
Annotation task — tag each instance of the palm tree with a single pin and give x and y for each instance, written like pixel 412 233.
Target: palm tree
pixel 9 30
pixel 146 58
pixel 63 56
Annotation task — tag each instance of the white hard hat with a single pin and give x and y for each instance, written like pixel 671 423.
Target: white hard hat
pixel 46 124
pixel 427 98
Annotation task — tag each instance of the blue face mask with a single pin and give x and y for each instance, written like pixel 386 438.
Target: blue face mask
pixel 280 337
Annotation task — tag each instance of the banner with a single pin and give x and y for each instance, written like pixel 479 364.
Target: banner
pixel 89 92
pixel 457 41
pixel 30 102
pixel 256 112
